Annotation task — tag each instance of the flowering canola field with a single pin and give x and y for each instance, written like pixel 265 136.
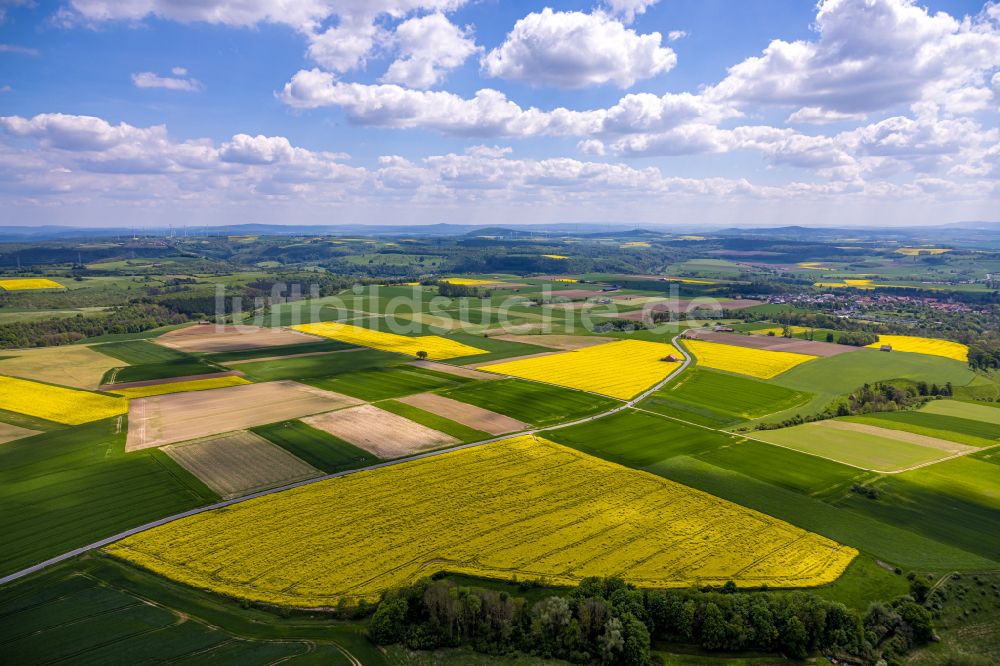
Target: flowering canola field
pixel 918 345
pixel 521 507
pixel 437 348
pixel 761 363
pixel 24 284
pixel 56 403
pixel 470 282
pixel 620 369
pixel 181 387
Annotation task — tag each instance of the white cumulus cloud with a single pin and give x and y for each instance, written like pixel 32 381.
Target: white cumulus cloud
pixel 871 55
pixel 574 49
pixel 429 47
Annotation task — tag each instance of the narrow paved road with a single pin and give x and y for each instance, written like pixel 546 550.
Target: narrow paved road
pixel 218 505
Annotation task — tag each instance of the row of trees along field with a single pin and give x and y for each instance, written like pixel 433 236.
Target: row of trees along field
pixel 133 318
pixel 609 621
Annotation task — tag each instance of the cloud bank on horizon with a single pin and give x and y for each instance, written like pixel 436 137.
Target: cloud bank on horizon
pixel 298 111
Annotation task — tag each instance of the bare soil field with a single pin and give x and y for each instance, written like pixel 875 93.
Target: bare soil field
pixel 512 358
pixel 456 370
pixel 901 435
pixel 178 417
pixel 775 343
pixel 563 342
pixel 210 338
pixel 239 463
pixel 8 432
pixel 464 413
pixel 379 432
pixel 72 365
pixel 169 380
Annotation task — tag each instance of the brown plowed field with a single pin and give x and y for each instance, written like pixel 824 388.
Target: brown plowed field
pixel 772 343
pixel 178 417
pixel 377 431
pixel 239 463
pixel 464 413
pixel 210 338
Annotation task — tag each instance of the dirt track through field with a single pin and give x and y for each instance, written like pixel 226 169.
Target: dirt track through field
pixel 209 338
pixel 464 413
pixel 456 370
pixel 377 431
pixel 900 435
pixel 178 417
pixel 772 343
pixel 238 463
pixel 562 342
pixel 512 358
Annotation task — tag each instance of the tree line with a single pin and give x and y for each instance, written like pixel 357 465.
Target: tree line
pixel 609 621
pixel 132 318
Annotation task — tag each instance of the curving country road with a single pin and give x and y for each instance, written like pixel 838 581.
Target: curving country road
pixel 218 505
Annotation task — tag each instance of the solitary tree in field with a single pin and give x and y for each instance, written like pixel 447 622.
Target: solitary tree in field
pixel 422 355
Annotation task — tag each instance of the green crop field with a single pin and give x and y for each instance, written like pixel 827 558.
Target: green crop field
pixel 320 449
pixel 718 399
pixel 325 365
pixel 638 439
pixel 964 431
pixel 787 469
pixel 148 360
pixel 880 537
pixel 531 402
pixel 457 430
pixel 833 376
pixel 965 410
pixel 67 488
pixel 387 382
pixel 97 611
pixel 283 350
pixel 957 506
pixel 860 449
pixel 140 352
pixel 974 480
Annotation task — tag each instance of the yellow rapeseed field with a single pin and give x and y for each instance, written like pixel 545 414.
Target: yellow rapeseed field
pixel 522 507
pixel 56 403
pixel 181 387
pixel 555 256
pixel 470 282
pixel 621 369
pixel 437 347
pixel 636 244
pixel 813 266
pixel 918 345
pixel 761 363
pixel 24 284
pixel 914 251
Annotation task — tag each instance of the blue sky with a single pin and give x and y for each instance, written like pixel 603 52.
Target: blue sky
pixel 673 112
